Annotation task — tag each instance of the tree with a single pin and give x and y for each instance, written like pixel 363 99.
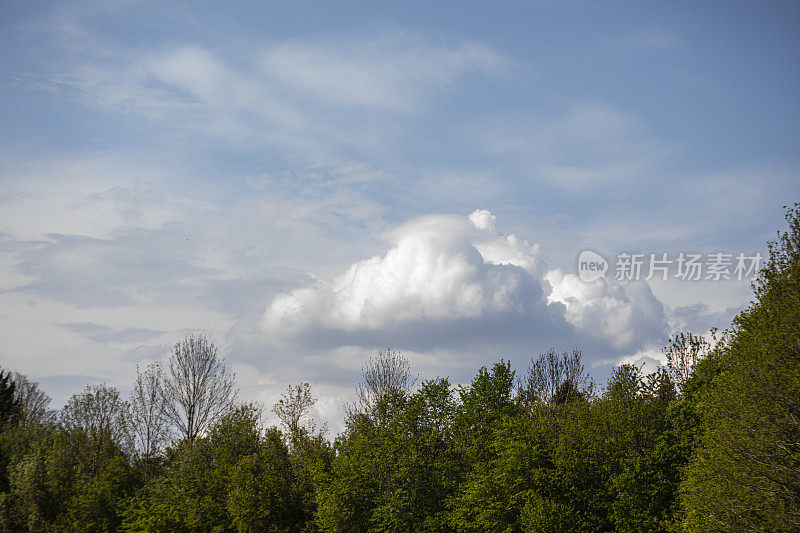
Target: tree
pixel 683 353
pixel 487 400
pixel 555 378
pixel 149 413
pixel 642 451
pixel 394 472
pixel 9 403
pixel 745 473
pixel 193 493
pixel 292 407
pixel 310 454
pixel 33 401
pixel 262 495
pixel 100 413
pixel 198 389
pixel 420 475
pixel 74 476
pixel 486 406
pixel 9 416
pixel 382 374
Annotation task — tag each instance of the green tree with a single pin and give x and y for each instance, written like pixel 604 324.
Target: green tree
pixel 263 496
pixel 9 403
pixel 393 470
pixel 192 493
pixel 745 474
pixel 10 411
pixel 101 415
pixel 74 476
pixel 644 483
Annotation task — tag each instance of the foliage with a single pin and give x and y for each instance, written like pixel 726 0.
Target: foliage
pixel 745 474
pixel 33 402
pixel 9 402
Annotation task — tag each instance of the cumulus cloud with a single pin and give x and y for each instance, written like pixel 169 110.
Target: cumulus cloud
pixel 433 272
pixel 626 316
pixel 449 278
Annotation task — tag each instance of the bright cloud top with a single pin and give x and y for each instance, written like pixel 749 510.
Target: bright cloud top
pixel 450 271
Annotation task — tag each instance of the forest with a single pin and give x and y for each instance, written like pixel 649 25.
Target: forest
pixel 709 442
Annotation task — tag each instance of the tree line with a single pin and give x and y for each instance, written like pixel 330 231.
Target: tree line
pixel 710 442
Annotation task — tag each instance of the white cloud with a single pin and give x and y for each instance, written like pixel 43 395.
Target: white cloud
pixel 456 277
pixel 622 315
pixel 143 254
pixel 92 196
pixel 433 272
pixel 393 72
pixel 305 96
pixel 106 261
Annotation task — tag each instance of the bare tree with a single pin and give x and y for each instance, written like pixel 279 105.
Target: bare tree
pixel 683 353
pixel 555 378
pixel 197 389
pixel 385 372
pixel 292 407
pixel 33 401
pixel 150 421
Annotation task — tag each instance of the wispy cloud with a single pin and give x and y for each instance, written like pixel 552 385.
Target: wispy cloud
pixel 651 37
pixel 590 146
pixel 395 72
pixel 300 94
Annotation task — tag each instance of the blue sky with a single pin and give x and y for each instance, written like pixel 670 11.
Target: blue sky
pixel 308 182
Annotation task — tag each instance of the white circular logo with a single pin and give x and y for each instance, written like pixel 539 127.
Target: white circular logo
pixel 591 266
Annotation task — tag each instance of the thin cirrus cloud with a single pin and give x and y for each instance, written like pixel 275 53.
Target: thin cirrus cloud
pixel 587 147
pixel 448 279
pixel 393 73
pixel 296 93
pixel 651 37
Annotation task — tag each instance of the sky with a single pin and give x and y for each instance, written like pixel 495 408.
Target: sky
pixel 310 182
